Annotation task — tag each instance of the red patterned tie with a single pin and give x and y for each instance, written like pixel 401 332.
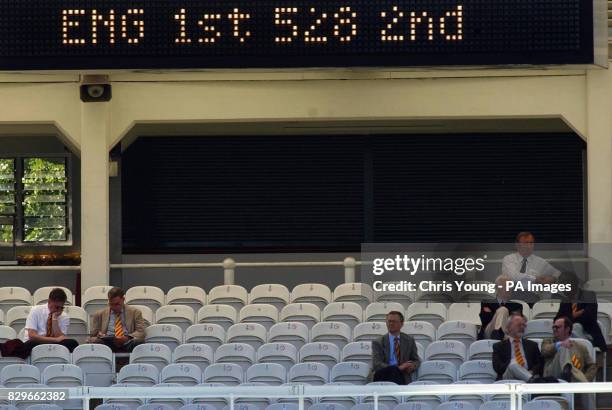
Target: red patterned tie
pixel 396 349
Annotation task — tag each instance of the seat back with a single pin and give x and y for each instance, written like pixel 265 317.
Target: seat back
pixel 315 293
pixel 199 354
pixel 320 352
pixel 141 374
pixel 481 349
pixel 377 311
pixel 185 374
pixel 467 311
pixel 63 375
pixel 233 295
pixel 545 309
pixel 269 373
pixel 358 352
pixel 360 293
pixel 41 295
pixel 253 334
pixel 95 298
pixel 307 313
pixel 422 332
pixel 192 296
pixel 47 354
pixel 179 315
pixel 241 354
pixel 263 313
pixel 452 350
pixel 15 374
pixel 230 374
pixel 539 328
pixel 210 334
pixel 351 372
pixel 78 328
pixel 16 317
pixel 369 331
pixel 14 296
pixel 295 333
pixel 463 331
pixel 284 354
pixel 167 334
pixel 310 373
pixel 155 354
pixel 147 314
pixel 439 371
pixel 222 315
pixel 273 294
pixel 479 370
pixel 337 333
pixel 150 296
pixel 350 313
pixel 97 363
pixel 432 312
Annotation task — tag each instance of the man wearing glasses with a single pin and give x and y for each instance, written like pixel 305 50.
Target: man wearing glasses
pixel 568 359
pixel 395 355
pixel 48 323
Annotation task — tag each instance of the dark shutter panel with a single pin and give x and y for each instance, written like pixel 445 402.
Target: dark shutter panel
pixel 478 188
pixel 331 193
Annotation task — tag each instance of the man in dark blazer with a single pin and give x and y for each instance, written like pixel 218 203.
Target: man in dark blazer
pixel 495 313
pixel 580 306
pixel 516 358
pixel 395 355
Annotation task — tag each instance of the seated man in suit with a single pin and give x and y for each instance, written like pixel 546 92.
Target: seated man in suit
pixel 568 360
pixel 394 355
pixel 494 314
pixel 516 358
pixel 120 327
pixel 580 306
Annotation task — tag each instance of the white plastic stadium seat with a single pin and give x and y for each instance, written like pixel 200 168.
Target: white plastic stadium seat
pixel 439 371
pixel 16 317
pixel 604 316
pixel 149 296
pixel 327 406
pixel 25 403
pixel 47 354
pixel 315 293
pixel 422 332
pixel 222 315
pixel 403 298
pixel 210 334
pixel 369 331
pixel 432 312
pixel 308 401
pixel 456 405
pixel 452 350
pixel 180 315
pixel 14 296
pixel 337 333
pixel 165 403
pixel 253 334
pixel 346 401
pixel 44 407
pixel 112 407
pixel 479 370
pixel 479 292
pixel 360 293
pixel 295 333
pixel 351 372
pixel 131 403
pixel 358 352
pixel 602 287
pixel 142 374
pixel 346 312
pixel 155 354
pixel 284 354
pixel 321 352
pixel 64 375
pixel 185 374
pixel 545 309
pixel 316 374
pixel 198 407
pixel 433 400
pixel 233 295
pixel 435 296
pixel 230 374
pixel 7 333
pixel 251 403
pixel 414 405
pixel 306 313
pixel 369 406
pixel 199 354
pixel 156 406
pixel 262 313
pixel 95 298
pixel 79 323
pixel 241 354
pixel 542 405
pixel 465 332
pixel 147 314
pixel 495 405
pixel 15 374
pixel 539 328
pixel 481 349
pixel 41 295
pixel 192 296
pixel 169 335
pixel 475 399
pixel 274 294
pixel 377 311
pixel 464 311
pixel 8 407
pixel 217 403
pixel 272 374
pixel 97 363
pixel 280 406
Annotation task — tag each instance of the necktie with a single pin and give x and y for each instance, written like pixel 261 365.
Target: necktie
pixel 517 352
pixel 396 349
pixel 118 326
pixel 49 325
pixel 576 362
pixel 524 266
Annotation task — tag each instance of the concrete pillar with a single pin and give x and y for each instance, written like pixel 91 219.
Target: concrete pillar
pixel 599 159
pixel 95 126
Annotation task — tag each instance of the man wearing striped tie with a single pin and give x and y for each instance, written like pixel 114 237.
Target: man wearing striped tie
pixel 516 358
pixel 568 359
pixel 394 355
pixel 120 327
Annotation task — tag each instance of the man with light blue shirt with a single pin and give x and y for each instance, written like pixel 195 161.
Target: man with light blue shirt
pixel 394 355
pixel 120 326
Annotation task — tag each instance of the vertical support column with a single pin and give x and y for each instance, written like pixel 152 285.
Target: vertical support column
pixel 95 126
pixel 349 269
pixel 229 271
pixel 599 171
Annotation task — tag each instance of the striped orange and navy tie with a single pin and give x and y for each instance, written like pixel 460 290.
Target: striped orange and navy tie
pixel 118 326
pixel 49 325
pixel 576 362
pixel 517 352
pixel 396 349
pixel 574 307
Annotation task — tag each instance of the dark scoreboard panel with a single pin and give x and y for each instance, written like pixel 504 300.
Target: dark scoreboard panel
pixel 128 34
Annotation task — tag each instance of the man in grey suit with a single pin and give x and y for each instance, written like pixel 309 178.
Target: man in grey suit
pixel 395 355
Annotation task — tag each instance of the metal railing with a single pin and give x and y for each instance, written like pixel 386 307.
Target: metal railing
pixel 300 393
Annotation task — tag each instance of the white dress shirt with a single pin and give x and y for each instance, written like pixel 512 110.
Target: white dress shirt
pixel 536 266
pixel 37 321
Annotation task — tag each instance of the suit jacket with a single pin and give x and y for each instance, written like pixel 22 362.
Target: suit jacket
pixel 502 356
pixel 486 317
pixel 133 321
pixel 589 367
pixel 586 300
pixel 408 351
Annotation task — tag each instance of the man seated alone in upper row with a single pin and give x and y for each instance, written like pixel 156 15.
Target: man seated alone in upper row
pixel 121 327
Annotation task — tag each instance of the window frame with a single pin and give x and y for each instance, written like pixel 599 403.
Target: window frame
pixel 19 219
